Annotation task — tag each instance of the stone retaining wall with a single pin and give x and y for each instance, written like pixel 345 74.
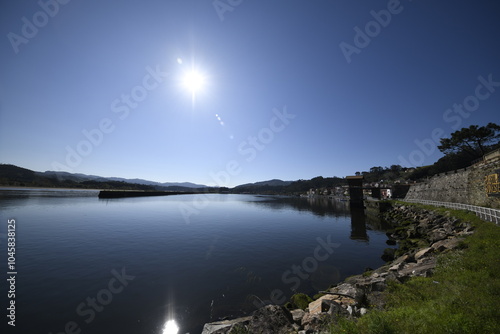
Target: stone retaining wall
pixel 463 186
pixel 477 189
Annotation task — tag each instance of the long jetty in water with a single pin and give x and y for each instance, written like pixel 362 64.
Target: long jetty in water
pixel 132 193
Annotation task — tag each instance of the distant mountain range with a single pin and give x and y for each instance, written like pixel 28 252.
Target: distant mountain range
pixel 11 175
pixel 84 177
pixel 270 183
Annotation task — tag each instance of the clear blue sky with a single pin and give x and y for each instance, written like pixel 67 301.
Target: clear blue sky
pixel 345 100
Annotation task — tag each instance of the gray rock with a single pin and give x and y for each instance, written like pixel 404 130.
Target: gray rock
pixel 424 268
pixel 321 304
pixel 396 267
pixel 437 234
pixel 314 322
pixel 224 326
pixel 424 222
pixel 446 244
pixel 402 258
pixel 297 315
pixel 448 227
pixel 399 262
pixel 392 277
pixel 371 284
pixel 376 299
pixel 423 252
pixel 388 254
pixel 338 310
pixel 378 284
pixel 391 242
pixel 349 290
pixel 271 319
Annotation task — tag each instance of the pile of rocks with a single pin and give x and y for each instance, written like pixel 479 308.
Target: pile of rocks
pixel 421 235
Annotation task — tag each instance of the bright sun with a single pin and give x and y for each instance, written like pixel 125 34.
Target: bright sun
pixel 194 81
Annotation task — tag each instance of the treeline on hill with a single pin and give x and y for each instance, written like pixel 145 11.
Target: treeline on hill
pixel 462 149
pixel 15 176
pixel 318 182
pixel 395 173
pixel 388 175
pixel 450 162
pixel 289 188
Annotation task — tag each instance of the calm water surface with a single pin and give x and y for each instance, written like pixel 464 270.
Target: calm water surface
pixel 130 265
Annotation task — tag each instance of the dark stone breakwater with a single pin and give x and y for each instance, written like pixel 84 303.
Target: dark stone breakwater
pixel 421 235
pixel 127 193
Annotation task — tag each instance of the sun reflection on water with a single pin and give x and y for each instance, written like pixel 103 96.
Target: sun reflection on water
pixel 170 327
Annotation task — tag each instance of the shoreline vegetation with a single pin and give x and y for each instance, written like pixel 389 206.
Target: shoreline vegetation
pixel 459 295
pixel 444 277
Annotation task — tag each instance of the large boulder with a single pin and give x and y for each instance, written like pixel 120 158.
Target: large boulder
pixel 424 267
pixel 349 290
pixel 389 254
pixel 225 326
pixel 446 244
pixel 322 304
pixel 423 253
pixel 271 319
pixel 313 323
pixel 437 234
pixel 297 315
pixel 376 299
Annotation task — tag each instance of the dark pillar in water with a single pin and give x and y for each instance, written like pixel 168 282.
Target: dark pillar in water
pixel 358 224
pixel 355 190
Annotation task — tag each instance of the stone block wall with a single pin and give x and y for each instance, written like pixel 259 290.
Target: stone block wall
pixel 452 187
pixel 477 189
pixel 463 186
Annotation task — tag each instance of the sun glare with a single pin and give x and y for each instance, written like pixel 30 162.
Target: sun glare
pixel 194 81
pixel 170 327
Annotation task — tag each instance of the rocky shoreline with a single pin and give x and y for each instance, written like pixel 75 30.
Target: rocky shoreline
pixel 421 236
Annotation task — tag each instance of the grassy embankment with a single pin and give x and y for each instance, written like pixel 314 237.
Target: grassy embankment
pixel 461 297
